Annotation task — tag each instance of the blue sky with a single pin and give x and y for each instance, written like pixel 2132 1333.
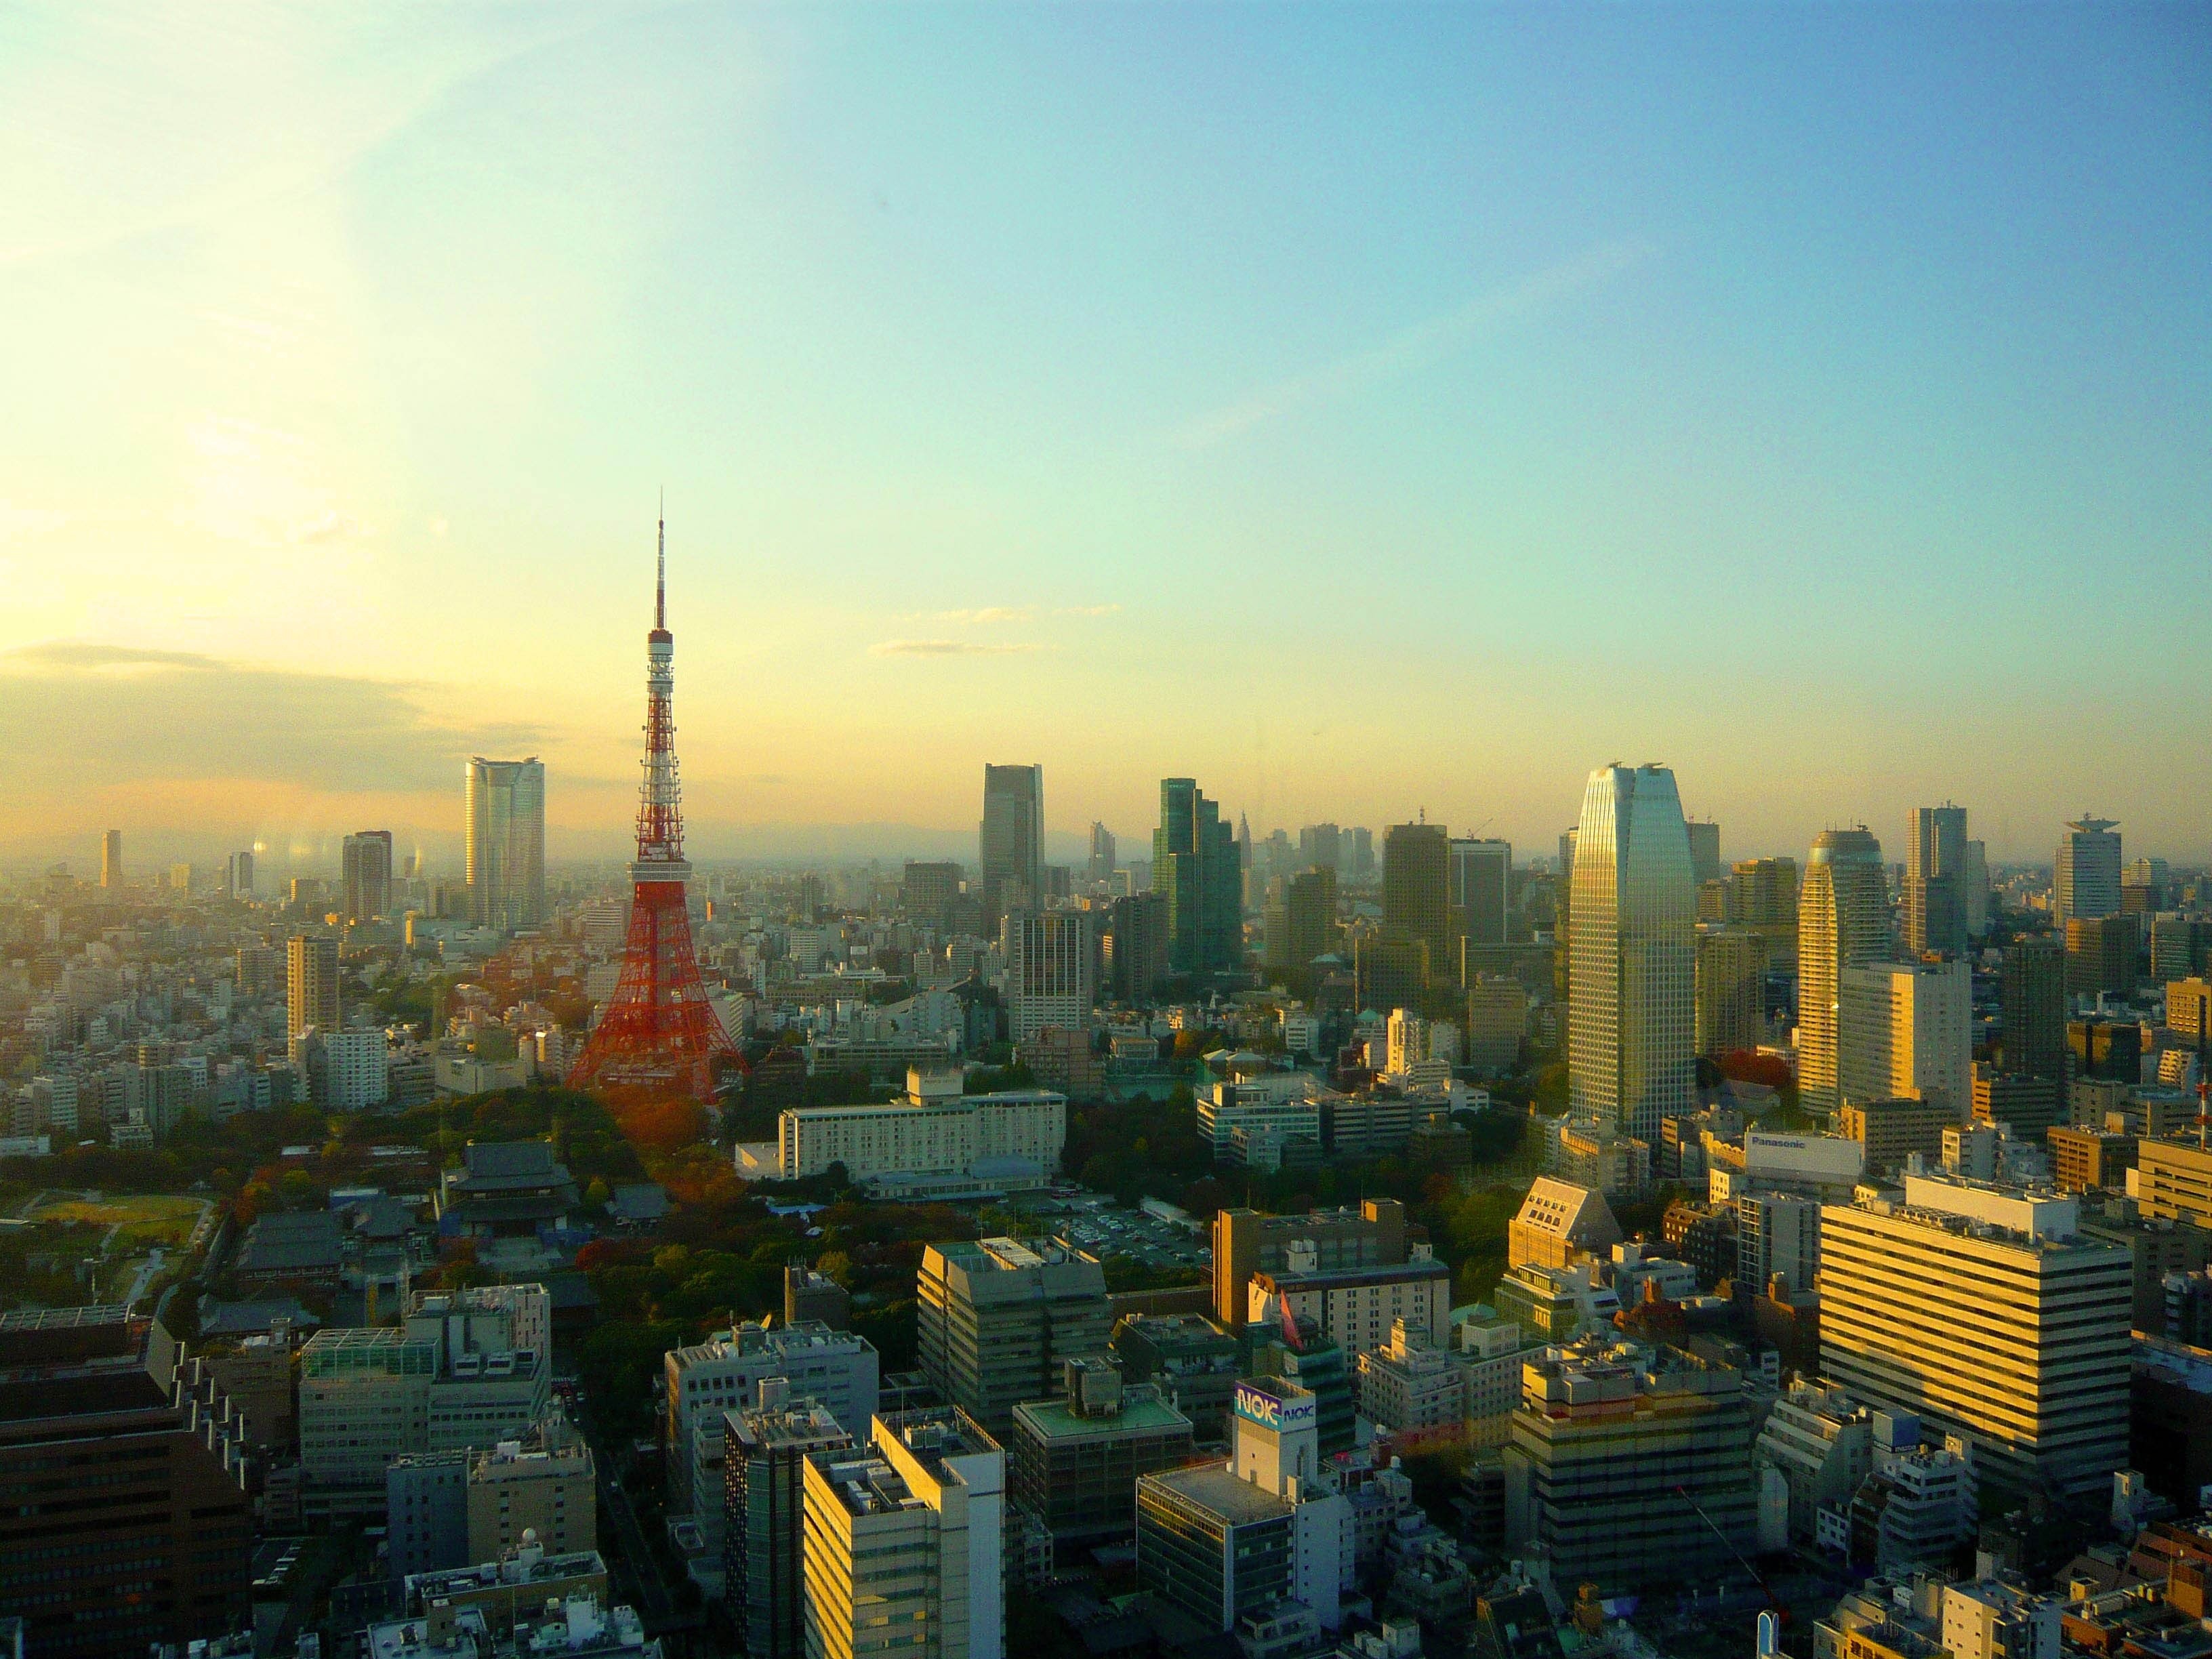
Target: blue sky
pixel 1360 408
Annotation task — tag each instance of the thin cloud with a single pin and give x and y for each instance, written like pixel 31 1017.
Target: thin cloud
pixel 1415 347
pixel 989 613
pixel 945 649
pixel 70 708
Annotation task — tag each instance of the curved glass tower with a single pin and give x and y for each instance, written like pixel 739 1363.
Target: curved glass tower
pixel 1632 964
pixel 1843 922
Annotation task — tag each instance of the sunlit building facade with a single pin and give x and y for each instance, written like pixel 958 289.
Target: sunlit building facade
pixel 1843 922
pixel 506 802
pixel 1632 975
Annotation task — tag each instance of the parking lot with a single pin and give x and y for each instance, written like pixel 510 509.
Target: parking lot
pixel 1094 1222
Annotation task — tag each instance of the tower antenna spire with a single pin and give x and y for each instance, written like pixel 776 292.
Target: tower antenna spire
pixel 660 570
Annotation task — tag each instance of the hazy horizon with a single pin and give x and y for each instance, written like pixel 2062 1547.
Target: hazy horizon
pixel 1360 411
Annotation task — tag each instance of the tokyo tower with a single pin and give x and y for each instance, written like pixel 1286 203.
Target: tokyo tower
pixel 657 1037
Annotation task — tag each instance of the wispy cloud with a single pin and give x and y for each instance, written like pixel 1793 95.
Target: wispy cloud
pixel 71 708
pixel 989 613
pixel 945 649
pixel 1415 347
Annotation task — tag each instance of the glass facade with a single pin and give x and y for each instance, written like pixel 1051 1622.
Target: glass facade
pixel 1843 922
pixel 507 843
pixel 1632 964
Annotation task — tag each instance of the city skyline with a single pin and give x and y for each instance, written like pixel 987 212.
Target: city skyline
pixel 348 371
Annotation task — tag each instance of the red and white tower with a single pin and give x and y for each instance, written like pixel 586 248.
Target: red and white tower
pixel 657 1036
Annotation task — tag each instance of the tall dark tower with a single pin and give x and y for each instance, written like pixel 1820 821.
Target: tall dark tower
pixel 657 1035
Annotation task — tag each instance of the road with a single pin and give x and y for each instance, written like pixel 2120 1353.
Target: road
pixel 636 1552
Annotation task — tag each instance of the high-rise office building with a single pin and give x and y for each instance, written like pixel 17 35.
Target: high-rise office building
pixel 1843 922
pixel 1731 991
pixel 1309 917
pixel 2040 1384
pixel 1631 1017
pixel 366 861
pixel 1977 890
pixel 2100 953
pixel 1102 865
pixel 2032 989
pixel 1137 946
pixel 1049 975
pixel 2086 873
pixel 240 882
pixel 1011 841
pixel 905 1543
pixel 1073 1463
pixel 127 1524
pixel 1906 1027
pixel 1934 908
pixel 1322 846
pixel 506 851
pixel 1481 889
pixel 1705 851
pixel 111 859
pixel 1762 895
pixel 1195 868
pixel 1417 904
pixel 1631 1465
pixel 997 1318
pixel 928 891
pixel 765 1449
pixel 310 984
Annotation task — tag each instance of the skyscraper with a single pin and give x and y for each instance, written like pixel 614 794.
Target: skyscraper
pixel 1731 991
pixel 2086 874
pixel 1977 890
pixel 241 875
pixel 1137 946
pixel 1321 845
pixel 506 805
pixel 2032 989
pixel 311 985
pixel 1481 889
pixel 1101 867
pixel 1704 852
pixel 366 861
pixel 1048 970
pixel 1417 906
pixel 1195 867
pixel 111 859
pixel 1011 840
pixel 1905 1030
pixel 1633 976
pixel 1843 922
pixel 1934 909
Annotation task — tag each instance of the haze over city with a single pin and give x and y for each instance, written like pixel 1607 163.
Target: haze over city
pixel 1361 412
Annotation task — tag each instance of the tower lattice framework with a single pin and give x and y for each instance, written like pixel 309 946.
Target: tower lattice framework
pixel 658 1036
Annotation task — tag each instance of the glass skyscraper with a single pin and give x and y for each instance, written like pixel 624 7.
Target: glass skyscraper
pixel 506 802
pixel 1632 975
pixel 1196 869
pixel 1843 922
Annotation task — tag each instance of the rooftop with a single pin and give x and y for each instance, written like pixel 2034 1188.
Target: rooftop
pixel 1213 1488
pixel 1143 1412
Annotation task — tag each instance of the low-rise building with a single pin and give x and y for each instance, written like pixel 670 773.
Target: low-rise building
pixel 1014 1138
pixel 1410 1388
pixel 1558 1224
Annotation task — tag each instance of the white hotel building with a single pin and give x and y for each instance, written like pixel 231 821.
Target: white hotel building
pixel 1012 1138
